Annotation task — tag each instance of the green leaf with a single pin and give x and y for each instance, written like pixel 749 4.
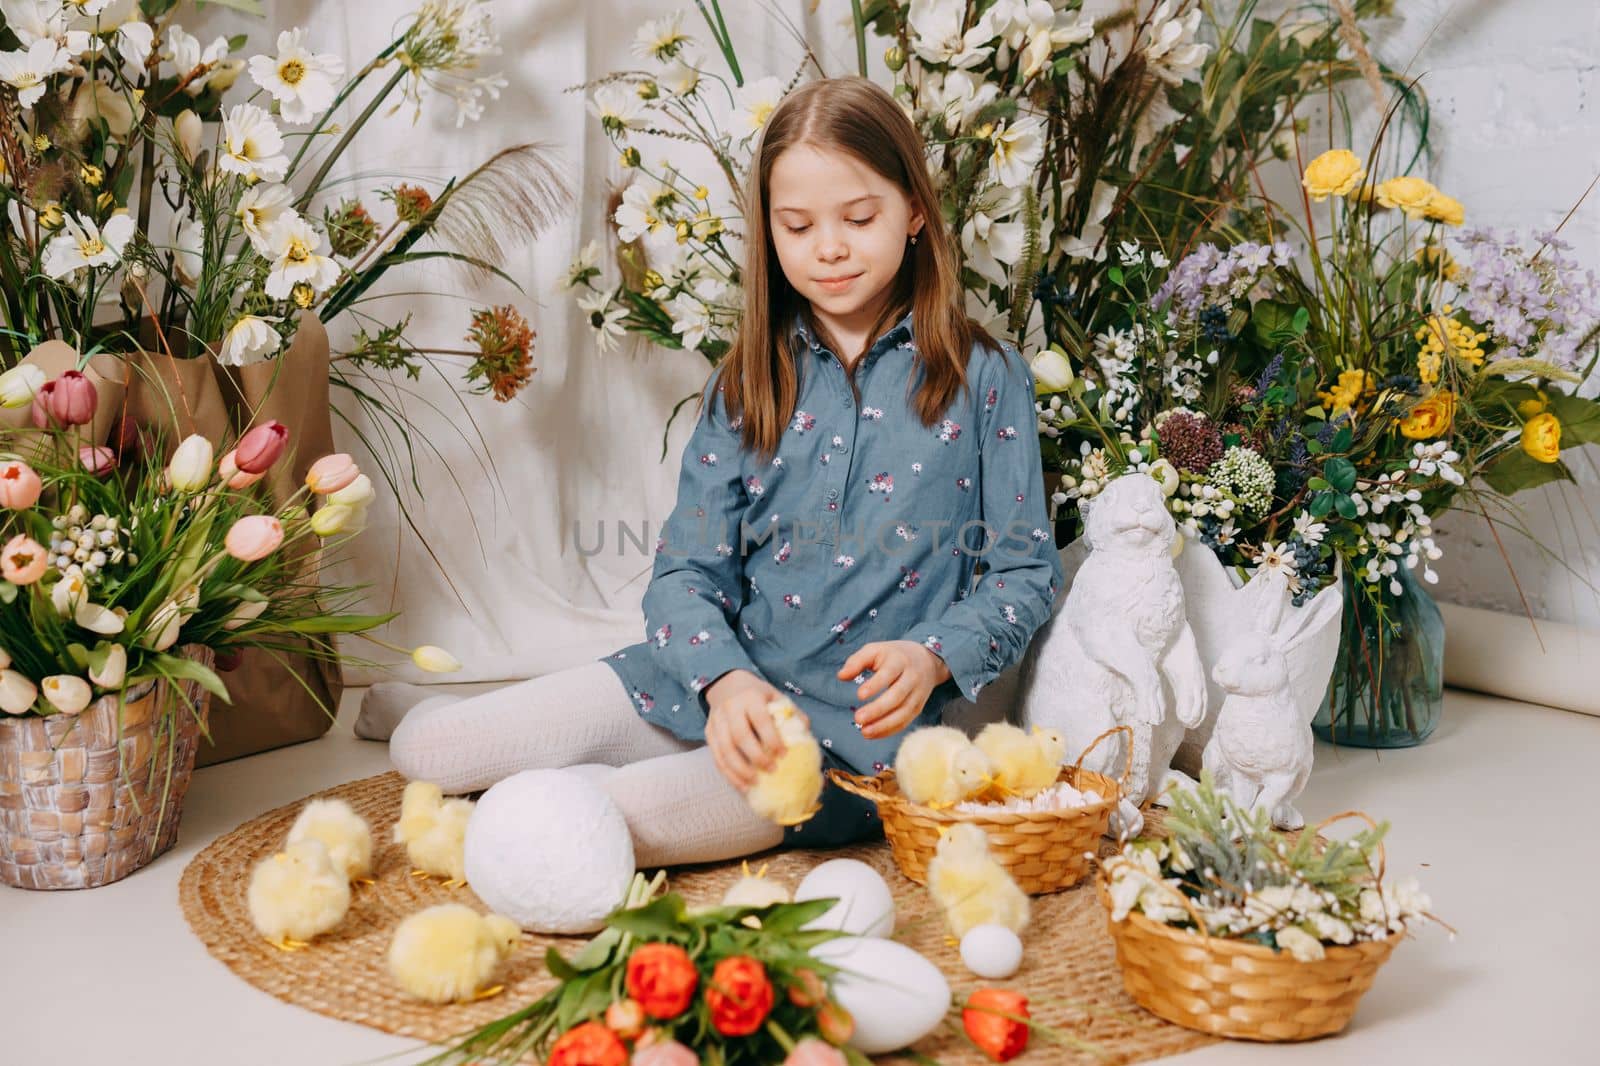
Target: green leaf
pixel 597 952
pixel 80 655
pixel 1318 484
pixel 1115 274
pixel 1301 321
pixel 1313 446
pixel 789 917
pixel 189 670
pixel 559 967
pixel 1321 504
pixel 662 919
pixel 1516 471
pixel 1580 419
pixel 339 623
pixel 1341 474
pixel 1346 508
pixel 249 7
pixel 156 8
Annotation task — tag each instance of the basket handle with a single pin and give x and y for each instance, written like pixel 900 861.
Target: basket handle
pixel 1383 854
pixel 868 788
pixel 1122 782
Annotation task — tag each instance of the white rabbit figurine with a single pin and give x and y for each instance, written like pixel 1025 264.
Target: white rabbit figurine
pixel 1260 749
pixel 1119 650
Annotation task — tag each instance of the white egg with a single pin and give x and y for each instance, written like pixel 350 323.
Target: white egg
pixel 865 907
pixel 991 951
pixel 896 996
pixel 550 850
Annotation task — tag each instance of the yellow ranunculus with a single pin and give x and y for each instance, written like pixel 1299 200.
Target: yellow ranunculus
pixel 1541 437
pixel 1431 418
pixel 1446 209
pixel 1333 173
pixel 1411 195
pixel 1533 405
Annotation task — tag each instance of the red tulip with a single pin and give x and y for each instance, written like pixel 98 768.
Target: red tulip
pixel 73 400
pixel 258 449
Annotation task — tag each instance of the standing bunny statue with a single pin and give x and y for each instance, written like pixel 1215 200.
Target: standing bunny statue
pixel 1119 650
pixel 1260 749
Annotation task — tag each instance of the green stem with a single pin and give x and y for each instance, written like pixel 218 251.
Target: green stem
pixel 349 135
pixel 861 36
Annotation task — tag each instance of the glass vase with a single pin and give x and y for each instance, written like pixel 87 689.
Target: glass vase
pixel 1387 688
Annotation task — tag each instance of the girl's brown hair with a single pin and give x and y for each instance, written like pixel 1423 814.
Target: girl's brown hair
pixel 760 378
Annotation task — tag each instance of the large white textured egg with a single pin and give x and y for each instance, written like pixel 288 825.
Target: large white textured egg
pixel 896 996
pixel 549 850
pixel 991 951
pixel 865 907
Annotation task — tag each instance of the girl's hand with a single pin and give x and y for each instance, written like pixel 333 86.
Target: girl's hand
pixel 741 734
pixel 903 674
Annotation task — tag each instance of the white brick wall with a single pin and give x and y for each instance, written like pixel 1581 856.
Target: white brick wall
pixel 1516 137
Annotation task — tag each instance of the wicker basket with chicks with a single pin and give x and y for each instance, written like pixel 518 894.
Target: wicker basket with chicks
pixel 1042 819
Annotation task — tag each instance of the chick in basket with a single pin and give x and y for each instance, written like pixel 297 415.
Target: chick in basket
pixel 1025 764
pixel 939 766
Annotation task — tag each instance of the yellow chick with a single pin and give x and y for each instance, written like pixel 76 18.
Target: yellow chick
pixel 1025 764
pixel 789 793
pixel 449 952
pixel 971 887
pixel 297 894
pixel 434 831
pixel 345 833
pixel 938 766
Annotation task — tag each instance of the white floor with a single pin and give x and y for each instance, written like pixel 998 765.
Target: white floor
pixel 1494 814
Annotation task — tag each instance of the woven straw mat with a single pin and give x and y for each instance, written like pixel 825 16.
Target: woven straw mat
pixel 1069 970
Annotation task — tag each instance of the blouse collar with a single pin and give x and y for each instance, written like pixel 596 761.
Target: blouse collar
pixel 899 334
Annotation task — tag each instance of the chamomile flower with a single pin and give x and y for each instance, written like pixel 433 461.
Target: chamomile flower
pixel 754 104
pixel 605 317
pixel 26 71
pixel 618 108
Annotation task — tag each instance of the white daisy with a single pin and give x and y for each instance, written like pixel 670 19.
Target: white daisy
pixel 83 244
pixel 586 266
pixel 300 80
pixel 249 340
pixel 1308 529
pixel 26 71
pixel 682 75
pixel 261 208
pixel 606 319
pixel 642 210
pixel 251 145
pixel 1016 150
pixel 618 108
pixel 691 319
pixel 296 250
pixel 754 104
pixel 661 38
pixel 1277 557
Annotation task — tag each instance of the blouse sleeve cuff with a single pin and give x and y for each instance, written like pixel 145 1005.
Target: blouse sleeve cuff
pixel 973 658
pixel 731 656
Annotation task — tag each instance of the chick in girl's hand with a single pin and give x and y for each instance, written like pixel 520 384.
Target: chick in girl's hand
pixel 434 831
pixel 342 831
pixel 297 894
pixel 938 766
pixel 970 886
pixel 789 793
pixel 448 953
pixel 1025 764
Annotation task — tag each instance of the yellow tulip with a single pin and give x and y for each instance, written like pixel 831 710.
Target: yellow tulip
pixel 1541 437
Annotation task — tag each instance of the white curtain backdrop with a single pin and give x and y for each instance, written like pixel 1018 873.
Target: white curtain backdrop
pixel 496 575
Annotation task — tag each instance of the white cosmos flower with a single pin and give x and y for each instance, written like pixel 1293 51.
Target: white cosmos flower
pixel 661 38
pixel 618 108
pixel 251 145
pixel 937 37
pixel 188 247
pixel 1047 37
pixel 296 250
pixel 1015 151
pixel 83 244
pixel 261 208
pixel 134 42
pixel 249 340
pixel 1308 529
pixel 754 104
pixel 86 8
pixel 43 20
pixel 302 81
pixel 26 71
pixel 183 53
pixel 605 318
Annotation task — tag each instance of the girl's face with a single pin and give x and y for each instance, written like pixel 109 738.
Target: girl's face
pixel 840 229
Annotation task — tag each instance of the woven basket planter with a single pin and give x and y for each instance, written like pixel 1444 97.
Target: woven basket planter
pixel 1237 989
pixel 87 799
pixel 1044 851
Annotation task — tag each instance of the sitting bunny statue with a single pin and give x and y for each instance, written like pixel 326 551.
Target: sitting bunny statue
pixel 1260 749
pixel 1119 650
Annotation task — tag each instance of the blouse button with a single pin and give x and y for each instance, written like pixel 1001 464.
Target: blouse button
pixel 833 494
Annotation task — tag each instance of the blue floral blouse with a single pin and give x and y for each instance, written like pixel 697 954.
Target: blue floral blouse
pixel 865 526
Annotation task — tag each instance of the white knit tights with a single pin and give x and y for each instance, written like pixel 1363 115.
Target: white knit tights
pixel 679 808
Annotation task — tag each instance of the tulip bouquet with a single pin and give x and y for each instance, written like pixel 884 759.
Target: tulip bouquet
pixel 114 559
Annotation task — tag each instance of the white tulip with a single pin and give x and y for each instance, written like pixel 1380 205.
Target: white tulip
pixel 1167 475
pixel 67 693
pixel 97 619
pixel 435 660
pixel 17 693
pixel 161 632
pixel 19 384
pixel 190 469
pixel 111 675
pixel 68 593
pixel 188 130
pixel 247 611
pixel 1051 372
pixel 358 493
pixel 335 518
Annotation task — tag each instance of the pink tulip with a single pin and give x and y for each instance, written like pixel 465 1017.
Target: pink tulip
pixel 228 470
pixel 331 473
pixel 261 447
pixel 73 400
pixel 41 406
pixel 254 537
pixel 23 560
pixel 98 461
pixel 19 485
pixel 814 1052
pixel 668 1053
